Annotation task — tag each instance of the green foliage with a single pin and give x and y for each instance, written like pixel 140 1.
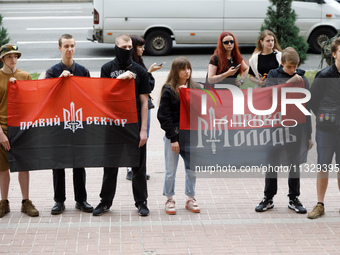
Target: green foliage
pixel 35 76
pixel 309 75
pixel 3 36
pixel 281 21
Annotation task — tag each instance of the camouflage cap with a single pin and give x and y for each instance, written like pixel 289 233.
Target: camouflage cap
pixel 8 49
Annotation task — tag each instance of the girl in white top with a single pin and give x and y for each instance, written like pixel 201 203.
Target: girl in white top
pixel 266 56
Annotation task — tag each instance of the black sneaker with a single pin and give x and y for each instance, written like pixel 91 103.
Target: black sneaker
pixel 296 205
pixel 129 174
pixel 100 209
pixel 264 205
pixel 143 209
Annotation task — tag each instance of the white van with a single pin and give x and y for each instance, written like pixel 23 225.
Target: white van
pixel 201 21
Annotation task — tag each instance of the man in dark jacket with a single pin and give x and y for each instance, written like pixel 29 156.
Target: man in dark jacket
pixel 122 67
pixel 66 68
pixel 325 104
pixel 287 72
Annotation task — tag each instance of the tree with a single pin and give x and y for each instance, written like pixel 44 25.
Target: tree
pixel 281 21
pixel 3 36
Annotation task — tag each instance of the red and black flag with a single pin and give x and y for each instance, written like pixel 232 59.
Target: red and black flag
pixel 72 122
pixel 238 128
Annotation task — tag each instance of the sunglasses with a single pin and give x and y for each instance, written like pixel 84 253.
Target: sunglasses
pixel 227 42
pixel 9 48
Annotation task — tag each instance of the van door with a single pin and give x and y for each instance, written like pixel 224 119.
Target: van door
pixel 192 21
pixel 244 18
pixel 308 14
pixel 327 24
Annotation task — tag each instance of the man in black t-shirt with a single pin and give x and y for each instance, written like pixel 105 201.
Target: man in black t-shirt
pixel 122 67
pixel 67 67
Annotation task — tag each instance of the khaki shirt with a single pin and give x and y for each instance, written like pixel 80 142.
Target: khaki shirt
pixel 4 78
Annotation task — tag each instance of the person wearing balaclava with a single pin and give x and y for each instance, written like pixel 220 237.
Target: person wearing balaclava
pixel 123 67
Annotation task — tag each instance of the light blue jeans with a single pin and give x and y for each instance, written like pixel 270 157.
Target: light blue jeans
pixel 171 162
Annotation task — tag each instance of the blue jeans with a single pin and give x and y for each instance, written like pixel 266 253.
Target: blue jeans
pixel 171 162
pixel 327 143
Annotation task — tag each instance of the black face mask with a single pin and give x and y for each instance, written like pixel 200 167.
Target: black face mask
pixel 123 58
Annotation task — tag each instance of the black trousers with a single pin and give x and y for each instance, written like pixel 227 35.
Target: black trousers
pixel 139 182
pixel 79 182
pixel 270 188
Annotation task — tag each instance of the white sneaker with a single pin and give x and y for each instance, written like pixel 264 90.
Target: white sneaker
pixel 192 205
pixel 170 207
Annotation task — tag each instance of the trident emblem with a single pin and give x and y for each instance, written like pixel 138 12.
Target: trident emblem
pixel 73 119
pixel 212 139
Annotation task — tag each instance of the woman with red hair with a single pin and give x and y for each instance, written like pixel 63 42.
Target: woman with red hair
pixel 227 62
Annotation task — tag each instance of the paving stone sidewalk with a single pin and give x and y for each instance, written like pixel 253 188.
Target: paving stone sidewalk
pixel 227 224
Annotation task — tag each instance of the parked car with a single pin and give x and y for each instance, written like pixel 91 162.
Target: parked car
pixel 200 22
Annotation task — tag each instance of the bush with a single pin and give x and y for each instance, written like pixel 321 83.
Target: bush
pixel 281 21
pixel 3 36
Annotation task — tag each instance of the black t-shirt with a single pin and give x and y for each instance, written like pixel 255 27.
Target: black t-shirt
pixel 76 69
pixel 231 62
pixel 265 63
pixel 111 70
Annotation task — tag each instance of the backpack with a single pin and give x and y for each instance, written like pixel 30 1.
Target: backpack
pixel 326 52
